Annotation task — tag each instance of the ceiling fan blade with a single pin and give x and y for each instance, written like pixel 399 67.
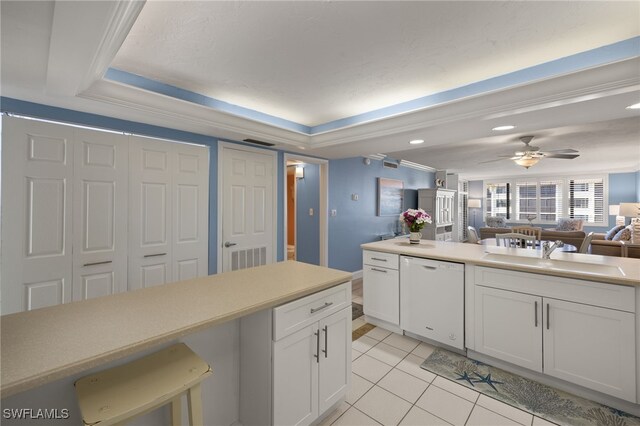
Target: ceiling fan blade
pixel 563 156
pixel 561 151
pixel 491 161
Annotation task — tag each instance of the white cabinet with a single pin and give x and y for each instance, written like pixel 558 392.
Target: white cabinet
pixel 583 343
pixel 75 200
pixel 381 286
pixel 432 300
pixel 311 355
pixel 441 206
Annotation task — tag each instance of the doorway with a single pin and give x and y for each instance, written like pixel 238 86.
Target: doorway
pixel 305 209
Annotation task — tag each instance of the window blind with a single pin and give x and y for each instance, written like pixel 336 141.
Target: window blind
pixel 526 204
pixel 550 200
pixel 586 200
pixel 497 199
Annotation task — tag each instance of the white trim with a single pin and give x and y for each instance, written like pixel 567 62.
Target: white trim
pixel 239 147
pixel 356 275
pixel 324 204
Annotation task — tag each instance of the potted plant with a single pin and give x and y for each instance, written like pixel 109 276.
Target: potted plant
pixel 415 219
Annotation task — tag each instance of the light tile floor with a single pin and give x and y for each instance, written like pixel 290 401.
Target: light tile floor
pixel 389 388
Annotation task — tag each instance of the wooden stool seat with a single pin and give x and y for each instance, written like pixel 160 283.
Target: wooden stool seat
pixel 120 393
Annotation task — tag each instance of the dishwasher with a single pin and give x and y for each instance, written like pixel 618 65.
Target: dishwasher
pixel 432 300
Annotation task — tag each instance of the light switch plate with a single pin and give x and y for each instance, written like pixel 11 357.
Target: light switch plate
pixel 334 212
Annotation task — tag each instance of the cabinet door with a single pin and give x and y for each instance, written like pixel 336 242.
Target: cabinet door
pixel 37 174
pixel 295 377
pixel 590 346
pixel 190 211
pixel 335 358
pixel 509 326
pixel 381 293
pixel 99 214
pixel 150 199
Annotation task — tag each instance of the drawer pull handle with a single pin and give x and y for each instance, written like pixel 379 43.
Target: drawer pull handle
pixel 428 328
pixel 379 270
pixel 317 354
pixel 433 268
pixel 535 309
pixel 325 306
pixel 154 255
pixel 98 263
pixel 548 319
pixel 378 259
pixel 326 333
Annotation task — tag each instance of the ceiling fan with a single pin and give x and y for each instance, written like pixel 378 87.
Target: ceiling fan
pixel 530 155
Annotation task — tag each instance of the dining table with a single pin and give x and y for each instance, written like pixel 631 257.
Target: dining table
pixel 537 245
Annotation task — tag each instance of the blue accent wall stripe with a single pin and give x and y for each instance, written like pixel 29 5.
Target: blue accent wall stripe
pixel 615 52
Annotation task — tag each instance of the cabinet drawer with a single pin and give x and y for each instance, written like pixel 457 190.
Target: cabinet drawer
pixel 298 314
pixel 612 296
pixel 376 258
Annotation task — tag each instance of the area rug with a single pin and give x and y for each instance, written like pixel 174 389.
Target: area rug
pixel 356 310
pixel 361 331
pixel 542 400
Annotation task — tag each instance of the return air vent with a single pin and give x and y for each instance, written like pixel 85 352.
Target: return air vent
pixel 389 165
pixel 257 142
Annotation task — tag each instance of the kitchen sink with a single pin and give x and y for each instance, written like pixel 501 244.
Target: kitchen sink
pixel 529 259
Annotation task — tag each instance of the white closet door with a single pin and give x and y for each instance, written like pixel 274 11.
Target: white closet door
pixel 150 211
pixel 190 211
pixel 99 212
pixel 37 170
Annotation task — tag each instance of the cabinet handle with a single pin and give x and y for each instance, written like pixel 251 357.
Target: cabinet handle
pixel 325 306
pixel 379 270
pixel 317 354
pixel 98 263
pixel 548 319
pixel 154 255
pixel 535 308
pixel 378 259
pixel 326 349
pixel 433 268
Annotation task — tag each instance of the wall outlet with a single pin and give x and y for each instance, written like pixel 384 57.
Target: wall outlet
pixel 311 212
pixel 334 212
pixel 354 197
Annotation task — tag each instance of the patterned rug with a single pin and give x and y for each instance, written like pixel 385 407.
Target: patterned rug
pixel 542 400
pixel 361 331
pixel 356 310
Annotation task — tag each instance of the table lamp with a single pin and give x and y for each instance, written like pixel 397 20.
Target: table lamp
pixel 615 211
pixel 632 210
pixel 474 203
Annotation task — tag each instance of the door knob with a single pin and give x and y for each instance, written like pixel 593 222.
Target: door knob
pixel 228 244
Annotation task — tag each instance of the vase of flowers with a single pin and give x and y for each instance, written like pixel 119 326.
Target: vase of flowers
pixel 415 219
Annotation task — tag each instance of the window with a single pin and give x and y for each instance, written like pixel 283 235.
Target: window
pixel 550 201
pixel 586 200
pixel 526 200
pixel 463 209
pixel 497 200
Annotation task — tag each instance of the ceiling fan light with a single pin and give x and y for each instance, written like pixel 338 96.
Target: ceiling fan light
pixel 502 128
pixel 527 162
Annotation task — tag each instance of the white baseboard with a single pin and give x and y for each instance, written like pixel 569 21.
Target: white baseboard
pixel 357 275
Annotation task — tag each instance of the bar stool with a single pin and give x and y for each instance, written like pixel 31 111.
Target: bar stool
pixel 121 393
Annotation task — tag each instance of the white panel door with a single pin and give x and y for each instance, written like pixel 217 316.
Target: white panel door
pixel 37 170
pixel 590 346
pixel 335 358
pixel 247 216
pixel 509 326
pixel 190 211
pixel 150 212
pixel 99 214
pixel 295 377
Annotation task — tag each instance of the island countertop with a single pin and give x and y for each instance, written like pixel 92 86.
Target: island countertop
pixel 474 254
pixel 47 344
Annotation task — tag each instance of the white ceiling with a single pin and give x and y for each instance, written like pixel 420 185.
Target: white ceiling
pixel 313 62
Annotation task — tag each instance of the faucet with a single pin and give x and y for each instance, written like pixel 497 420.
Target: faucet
pixel 547 249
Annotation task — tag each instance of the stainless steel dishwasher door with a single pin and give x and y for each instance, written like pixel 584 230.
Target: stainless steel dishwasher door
pixel 432 299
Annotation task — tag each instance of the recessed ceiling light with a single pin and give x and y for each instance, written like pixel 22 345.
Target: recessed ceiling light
pixel 500 128
pixel 634 106
pixel 416 141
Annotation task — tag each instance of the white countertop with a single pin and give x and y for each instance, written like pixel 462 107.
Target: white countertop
pixel 474 253
pixel 47 344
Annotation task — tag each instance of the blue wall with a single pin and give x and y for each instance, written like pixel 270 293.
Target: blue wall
pixel 308 227
pixel 623 188
pixel 356 222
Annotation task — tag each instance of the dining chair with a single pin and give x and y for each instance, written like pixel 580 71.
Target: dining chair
pixel 529 230
pixel 472 235
pixel 584 247
pixel 513 239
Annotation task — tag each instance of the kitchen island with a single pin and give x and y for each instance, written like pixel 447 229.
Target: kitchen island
pixel 572 321
pixel 44 350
